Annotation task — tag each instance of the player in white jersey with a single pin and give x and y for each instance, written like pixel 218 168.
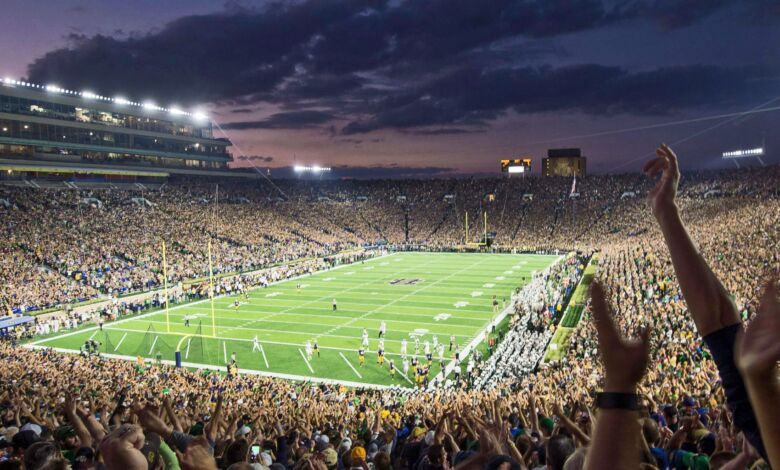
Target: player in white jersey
pixel 441 352
pixel 382 329
pixel 255 344
pixel 308 350
pixel 364 343
pixel 427 347
pixel 435 342
pixel 406 367
pixel 403 347
pixel 416 345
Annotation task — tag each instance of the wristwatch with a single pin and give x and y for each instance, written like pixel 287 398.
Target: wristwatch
pixel 617 401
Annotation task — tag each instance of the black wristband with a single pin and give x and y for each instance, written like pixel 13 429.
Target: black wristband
pixel 617 401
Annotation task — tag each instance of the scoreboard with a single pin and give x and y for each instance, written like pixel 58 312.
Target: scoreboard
pixel 518 166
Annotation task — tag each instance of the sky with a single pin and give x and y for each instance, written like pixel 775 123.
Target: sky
pixel 390 88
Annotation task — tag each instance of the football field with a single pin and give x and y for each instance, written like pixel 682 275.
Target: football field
pixel 417 295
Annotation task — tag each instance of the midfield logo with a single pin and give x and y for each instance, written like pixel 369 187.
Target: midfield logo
pixel 405 282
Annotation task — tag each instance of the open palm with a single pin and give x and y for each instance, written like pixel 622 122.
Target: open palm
pixel 664 192
pixel 624 361
pixel 759 349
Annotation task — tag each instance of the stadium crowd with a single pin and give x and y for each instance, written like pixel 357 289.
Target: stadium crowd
pixel 695 390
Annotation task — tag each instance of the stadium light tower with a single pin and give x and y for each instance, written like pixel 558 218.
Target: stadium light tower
pixel 735 155
pixel 314 170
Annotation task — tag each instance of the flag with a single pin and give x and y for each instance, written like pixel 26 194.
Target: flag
pixel 573 186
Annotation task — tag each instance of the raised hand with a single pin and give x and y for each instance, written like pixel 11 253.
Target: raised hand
pixel 624 361
pixel 661 197
pixel 758 350
pixel 197 456
pixel 121 449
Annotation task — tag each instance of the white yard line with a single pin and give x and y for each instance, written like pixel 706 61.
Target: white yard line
pixel 187 353
pixel 93 335
pixel 265 359
pixel 404 376
pixel 120 342
pixel 153 343
pixel 306 360
pixel 350 365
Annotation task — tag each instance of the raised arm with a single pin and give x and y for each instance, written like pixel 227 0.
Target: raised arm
pixel 707 299
pixel 616 437
pixel 758 351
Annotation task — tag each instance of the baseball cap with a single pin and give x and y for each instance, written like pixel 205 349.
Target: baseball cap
pixel 321 442
pixel 330 457
pixel 243 431
pixel 24 439
pixel 63 432
pixel 32 427
pixel 358 453
pixel 372 450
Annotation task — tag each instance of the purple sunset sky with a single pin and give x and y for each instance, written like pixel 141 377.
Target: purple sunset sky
pixel 424 87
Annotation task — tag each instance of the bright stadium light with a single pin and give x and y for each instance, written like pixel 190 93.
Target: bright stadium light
pixel 120 100
pixel 53 88
pixel 200 115
pixel 89 95
pixel 310 169
pixel 149 105
pixel 176 111
pixel 755 152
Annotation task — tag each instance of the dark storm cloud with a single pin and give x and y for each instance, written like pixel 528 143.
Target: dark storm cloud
pixel 291 120
pixel 471 96
pixel 444 131
pixel 433 66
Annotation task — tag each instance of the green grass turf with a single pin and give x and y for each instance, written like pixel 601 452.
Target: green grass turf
pixel 284 317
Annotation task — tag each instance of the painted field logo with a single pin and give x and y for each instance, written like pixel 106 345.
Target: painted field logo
pixel 405 282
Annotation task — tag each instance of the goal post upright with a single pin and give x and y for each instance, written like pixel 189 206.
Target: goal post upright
pixel 485 241
pixel 467 228
pixel 211 294
pixel 165 287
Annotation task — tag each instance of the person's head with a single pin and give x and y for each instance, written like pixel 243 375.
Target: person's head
pixel 39 454
pixel 382 461
pixel 651 432
pixel 358 455
pixel 436 454
pixel 706 444
pixel 237 451
pixel 66 436
pixel 559 448
pixel 502 462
